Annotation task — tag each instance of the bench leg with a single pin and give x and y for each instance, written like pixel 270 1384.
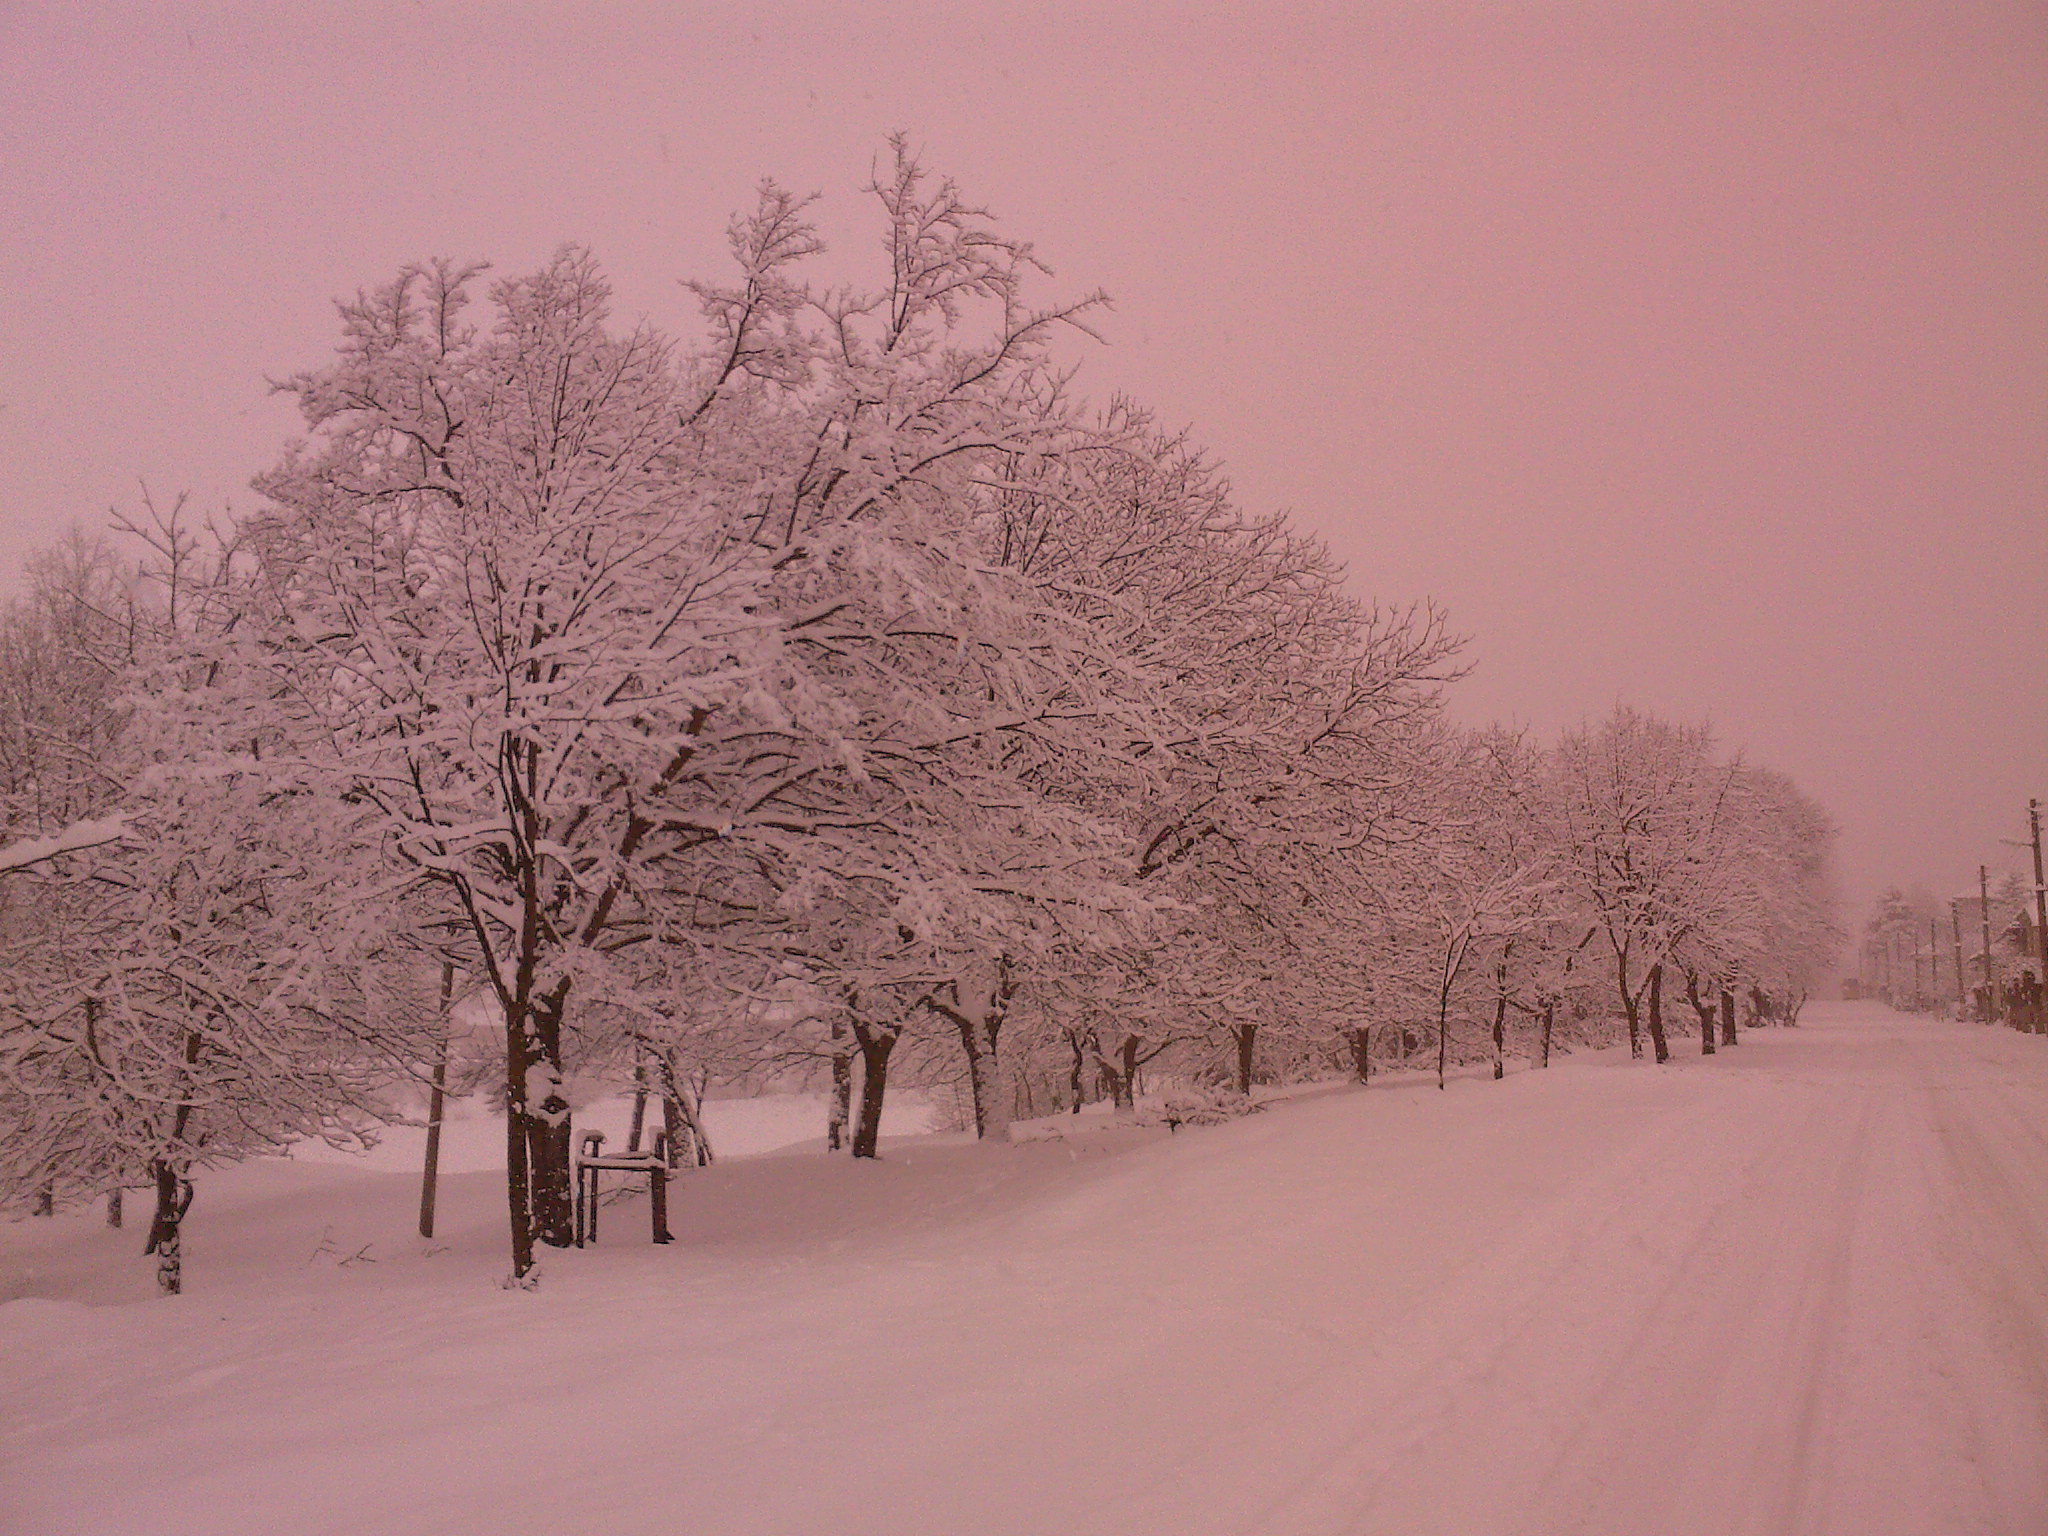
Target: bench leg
pixel 586 1205
pixel 657 1204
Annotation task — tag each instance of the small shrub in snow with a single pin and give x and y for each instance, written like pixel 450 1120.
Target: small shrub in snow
pixel 1199 1106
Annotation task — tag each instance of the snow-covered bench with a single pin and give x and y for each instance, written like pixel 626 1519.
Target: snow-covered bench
pixel 591 1166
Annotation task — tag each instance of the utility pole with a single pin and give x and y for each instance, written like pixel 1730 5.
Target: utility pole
pixel 1984 917
pixel 2040 917
pixel 2040 893
pixel 1955 932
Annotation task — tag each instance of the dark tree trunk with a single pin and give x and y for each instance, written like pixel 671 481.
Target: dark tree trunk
pixel 1443 1036
pixel 46 1201
pixel 1705 1010
pixel 437 1101
pixel 977 1071
pixel 1727 1017
pixel 518 1180
pixel 550 1132
pixel 841 1110
pixel 1500 1022
pixel 1247 1037
pixel 875 1046
pixel 1077 1076
pixel 114 1207
pixel 1657 1014
pixel 1361 1053
pixel 518 1190
pixel 173 1195
pixel 166 1227
pixel 1549 1022
pixel 1631 1007
pixel 1126 1081
pixel 430 1167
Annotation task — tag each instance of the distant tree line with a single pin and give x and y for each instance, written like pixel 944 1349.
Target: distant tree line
pixel 833 698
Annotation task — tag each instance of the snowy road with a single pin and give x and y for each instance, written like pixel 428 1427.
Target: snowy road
pixel 1799 1287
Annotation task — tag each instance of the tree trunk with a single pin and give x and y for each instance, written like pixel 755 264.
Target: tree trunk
pixel 1657 1014
pixel 437 1099
pixel 1704 1010
pixel 518 1178
pixel 1631 1007
pixel 1077 1075
pixel 1727 1017
pixel 1443 1035
pixel 638 1127
pixel 841 1102
pixel 999 1104
pixel 1500 1022
pixel 46 1201
pixel 114 1207
pixel 1247 1036
pixel 173 1200
pixel 1549 1020
pixel 1126 1081
pixel 875 1046
pixel 550 1131
pixel 173 1194
pixel 682 1119
pixel 982 998
pixel 1361 1053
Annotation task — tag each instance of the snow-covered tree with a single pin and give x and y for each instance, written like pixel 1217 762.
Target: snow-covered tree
pixel 583 618
pixel 208 984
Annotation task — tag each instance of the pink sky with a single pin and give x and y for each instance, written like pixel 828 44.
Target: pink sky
pixel 1693 354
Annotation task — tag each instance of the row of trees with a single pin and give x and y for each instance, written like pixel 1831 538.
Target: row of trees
pixel 837 687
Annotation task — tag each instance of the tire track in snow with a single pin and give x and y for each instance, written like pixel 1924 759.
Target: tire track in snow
pixel 1995 1161
pixel 1734 1339
pixel 1822 1319
pixel 1573 1298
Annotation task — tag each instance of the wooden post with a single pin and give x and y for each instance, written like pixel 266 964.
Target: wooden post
pixel 657 1196
pixel 1984 917
pixel 437 1099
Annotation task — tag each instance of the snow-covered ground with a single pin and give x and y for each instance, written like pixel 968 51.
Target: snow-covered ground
pixel 1800 1287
